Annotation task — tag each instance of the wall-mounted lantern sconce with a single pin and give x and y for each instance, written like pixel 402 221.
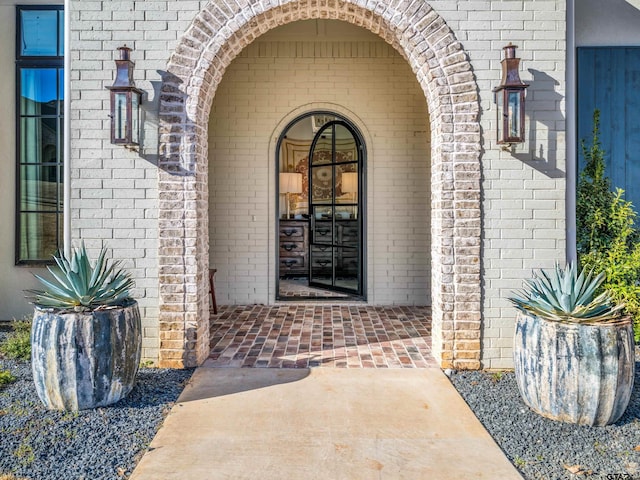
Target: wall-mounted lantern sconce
pixel 125 103
pixel 509 98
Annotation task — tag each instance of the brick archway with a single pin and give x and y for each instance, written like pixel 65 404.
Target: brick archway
pixel 216 36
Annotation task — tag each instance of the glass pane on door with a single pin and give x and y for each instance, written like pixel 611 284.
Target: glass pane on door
pixel 322 264
pixel 347 191
pixel 335 226
pixel 346 148
pixel 322 223
pixel 322 154
pixel 322 184
pixel 347 267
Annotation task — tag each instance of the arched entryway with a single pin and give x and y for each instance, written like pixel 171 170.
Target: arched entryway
pixel 216 36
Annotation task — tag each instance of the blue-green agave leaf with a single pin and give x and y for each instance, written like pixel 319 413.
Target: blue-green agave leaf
pixel 77 283
pixel 567 295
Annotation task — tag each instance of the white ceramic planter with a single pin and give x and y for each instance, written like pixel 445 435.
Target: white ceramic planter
pixel 85 360
pixel 574 372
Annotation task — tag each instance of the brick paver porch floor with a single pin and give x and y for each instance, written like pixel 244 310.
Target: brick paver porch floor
pixel 321 335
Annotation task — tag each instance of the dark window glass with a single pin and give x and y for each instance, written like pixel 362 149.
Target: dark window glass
pixel 60 33
pixel 40 80
pixel 61 89
pixel 38 91
pixel 43 240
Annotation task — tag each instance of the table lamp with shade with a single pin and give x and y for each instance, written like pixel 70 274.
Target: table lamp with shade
pixel 350 186
pixel 290 182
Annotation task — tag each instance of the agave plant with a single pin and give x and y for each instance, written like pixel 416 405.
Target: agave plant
pixel 80 286
pixel 566 296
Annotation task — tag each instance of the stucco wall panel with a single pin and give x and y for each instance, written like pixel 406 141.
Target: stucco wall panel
pixel 13 279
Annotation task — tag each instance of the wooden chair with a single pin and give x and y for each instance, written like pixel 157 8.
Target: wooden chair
pixel 212 289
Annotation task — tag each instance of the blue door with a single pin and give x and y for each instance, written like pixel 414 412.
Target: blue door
pixel 609 80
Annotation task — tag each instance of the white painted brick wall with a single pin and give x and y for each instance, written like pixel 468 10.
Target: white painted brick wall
pixel 115 191
pixel 523 193
pixel 258 91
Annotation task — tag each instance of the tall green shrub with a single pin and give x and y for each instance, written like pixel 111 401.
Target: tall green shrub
pixel 607 237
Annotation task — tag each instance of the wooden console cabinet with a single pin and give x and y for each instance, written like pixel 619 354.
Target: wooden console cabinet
pixel 294 247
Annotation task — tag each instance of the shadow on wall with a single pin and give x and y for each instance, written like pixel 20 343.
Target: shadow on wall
pixel 171 158
pixel 542 102
pixel 149 116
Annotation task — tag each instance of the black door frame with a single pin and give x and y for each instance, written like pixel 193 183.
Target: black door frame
pixel 362 205
pixel 333 245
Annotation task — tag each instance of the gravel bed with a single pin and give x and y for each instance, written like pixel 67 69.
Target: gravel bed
pixel 100 444
pixel 106 443
pixel 550 450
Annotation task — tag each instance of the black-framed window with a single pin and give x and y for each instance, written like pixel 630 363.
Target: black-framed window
pixel 39 126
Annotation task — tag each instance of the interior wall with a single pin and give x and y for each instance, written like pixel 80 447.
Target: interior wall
pixel 277 74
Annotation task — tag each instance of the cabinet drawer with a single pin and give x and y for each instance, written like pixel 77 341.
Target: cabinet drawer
pixel 321 257
pixel 322 232
pixel 322 262
pixel 290 248
pixel 292 263
pixel 291 231
pixel 321 265
pixel 350 231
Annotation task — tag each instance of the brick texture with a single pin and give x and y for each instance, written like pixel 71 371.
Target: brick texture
pixel 221 31
pixel 371 85
pixel 495 214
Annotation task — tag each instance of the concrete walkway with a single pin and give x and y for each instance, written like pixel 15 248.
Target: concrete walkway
pixel 325 424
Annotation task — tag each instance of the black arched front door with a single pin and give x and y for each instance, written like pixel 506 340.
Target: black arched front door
pixel 335 209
